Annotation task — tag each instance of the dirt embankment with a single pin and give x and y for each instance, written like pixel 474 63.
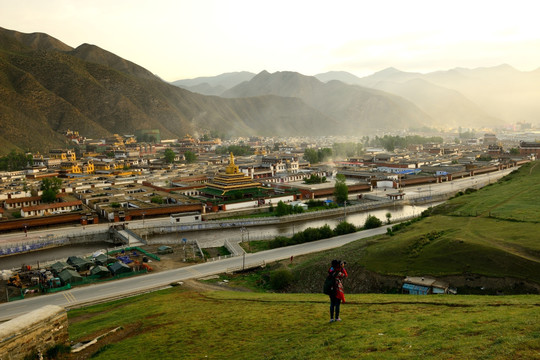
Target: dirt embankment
pixel 361 281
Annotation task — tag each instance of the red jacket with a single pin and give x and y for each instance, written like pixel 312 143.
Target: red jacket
pixel 339 274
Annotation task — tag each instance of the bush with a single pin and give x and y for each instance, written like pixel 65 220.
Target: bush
pixel 372 222
pixel 315 203
pixel 157 199
pixel 280 278
pixel 344 228
pixel 326 232
pixel 279 241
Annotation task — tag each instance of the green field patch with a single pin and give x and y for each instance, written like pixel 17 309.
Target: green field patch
pixel 179 324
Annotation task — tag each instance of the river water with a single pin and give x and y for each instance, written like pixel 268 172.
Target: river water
pixel 209 238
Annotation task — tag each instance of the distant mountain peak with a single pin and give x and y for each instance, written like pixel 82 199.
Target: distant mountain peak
pixel 388 71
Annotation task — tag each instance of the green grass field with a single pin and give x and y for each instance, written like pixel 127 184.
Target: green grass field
pixel 179 324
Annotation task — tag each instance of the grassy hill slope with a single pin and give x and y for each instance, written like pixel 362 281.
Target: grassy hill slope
pixel 486 239
pixel 178 324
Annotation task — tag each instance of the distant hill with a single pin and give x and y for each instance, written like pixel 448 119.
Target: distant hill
pixel 47 87
pixel 342 76
pixel 448 108
pixel 214 85
pixel 356 109
pixel 500 94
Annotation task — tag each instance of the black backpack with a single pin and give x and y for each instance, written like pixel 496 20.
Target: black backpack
pixel 328 287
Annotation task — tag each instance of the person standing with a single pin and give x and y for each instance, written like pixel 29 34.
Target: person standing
pixel 337 295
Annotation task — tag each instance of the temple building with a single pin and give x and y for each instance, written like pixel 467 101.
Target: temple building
pixel 232 185
pixel 234 190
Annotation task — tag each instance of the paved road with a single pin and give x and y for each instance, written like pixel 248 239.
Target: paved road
pixel 153 281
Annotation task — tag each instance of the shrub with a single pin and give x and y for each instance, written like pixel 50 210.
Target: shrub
pixel 372 222
pixel 280 278
pixel 326 232
pixel 344 228
pixel 157 199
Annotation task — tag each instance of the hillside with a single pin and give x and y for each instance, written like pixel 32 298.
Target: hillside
pixel 483 242
pixel 46 87
pixel 355 109
pixel 180 324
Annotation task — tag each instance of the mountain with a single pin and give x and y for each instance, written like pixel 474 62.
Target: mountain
pixel 356 109
pixel 47 87
pixel 491 95
pixel 214 85
pixel 501 91
pixel 448 108
pixel 342 76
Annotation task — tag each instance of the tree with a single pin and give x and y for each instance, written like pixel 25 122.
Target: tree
pixel 311 156
pixel 50 187
pixel 315 179
pixel 341 191
pixel 282 209
pixel 388 217
pixel 324 154
pixel 190 157
pixel 169 156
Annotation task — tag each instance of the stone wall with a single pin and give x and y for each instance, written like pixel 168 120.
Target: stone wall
pixel 33 333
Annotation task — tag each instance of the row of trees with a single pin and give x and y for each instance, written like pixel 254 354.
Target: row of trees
pixel 15 161
pixel 390 142
pixel 314 156
pixel 169 155
pixel 323 232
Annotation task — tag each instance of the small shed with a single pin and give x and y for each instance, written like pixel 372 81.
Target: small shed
pixel 119 268
pixel 69 276
pixel 424 286
pixel 100 271
pixel 165 250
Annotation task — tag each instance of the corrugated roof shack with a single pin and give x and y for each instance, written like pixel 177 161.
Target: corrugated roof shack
pixel 424 286
pixel 34 333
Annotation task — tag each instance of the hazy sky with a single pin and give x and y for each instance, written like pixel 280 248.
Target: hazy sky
pixel 182 39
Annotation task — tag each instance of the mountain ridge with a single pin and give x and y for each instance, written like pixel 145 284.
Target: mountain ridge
pixel 97 93
pixel 352 106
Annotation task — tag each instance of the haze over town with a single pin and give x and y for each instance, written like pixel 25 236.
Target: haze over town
pixel 187 39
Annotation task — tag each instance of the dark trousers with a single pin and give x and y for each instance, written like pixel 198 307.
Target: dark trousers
pixel 334 307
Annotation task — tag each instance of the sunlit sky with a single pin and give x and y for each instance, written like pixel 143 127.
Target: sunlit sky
pixel 180 39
